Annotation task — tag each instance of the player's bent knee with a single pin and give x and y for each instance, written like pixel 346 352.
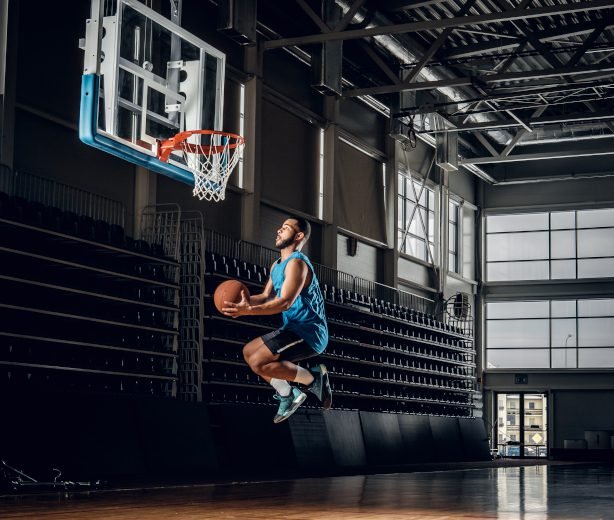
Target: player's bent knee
pixel 253 362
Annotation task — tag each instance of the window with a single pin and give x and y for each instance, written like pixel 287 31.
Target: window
pixel 241 165
pixel 414 235
pixel 555 334
pixel 453 236
pixel 550 246
pixel 321 176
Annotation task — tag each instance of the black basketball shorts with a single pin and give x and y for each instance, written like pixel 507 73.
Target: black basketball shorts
pixel 288 345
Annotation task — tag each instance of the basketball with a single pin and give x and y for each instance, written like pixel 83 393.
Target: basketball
pixel 229 291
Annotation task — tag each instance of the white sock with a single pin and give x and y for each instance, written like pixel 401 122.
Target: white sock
pixel 303 376
pixel 282 386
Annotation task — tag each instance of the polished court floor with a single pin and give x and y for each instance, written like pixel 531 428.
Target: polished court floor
pixel 572 492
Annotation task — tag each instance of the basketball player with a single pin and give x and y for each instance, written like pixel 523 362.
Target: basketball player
pixel 292 290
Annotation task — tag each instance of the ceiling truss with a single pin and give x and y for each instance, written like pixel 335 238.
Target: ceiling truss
pixel 502 74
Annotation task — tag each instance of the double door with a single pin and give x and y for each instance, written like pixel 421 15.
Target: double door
pixel 522 424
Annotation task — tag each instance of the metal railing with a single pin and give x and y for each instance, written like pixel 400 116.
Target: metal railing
pixel 59 195
pixel 160 224
pixel 256 254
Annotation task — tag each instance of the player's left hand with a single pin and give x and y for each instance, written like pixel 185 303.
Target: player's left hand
pixel 234 310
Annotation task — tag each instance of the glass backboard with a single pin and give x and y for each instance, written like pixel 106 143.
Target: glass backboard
pixel 146 79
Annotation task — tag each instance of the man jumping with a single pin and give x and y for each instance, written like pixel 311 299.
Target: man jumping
pixel 292 290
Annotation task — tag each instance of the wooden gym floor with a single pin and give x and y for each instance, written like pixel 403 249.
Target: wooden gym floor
pixel 570 492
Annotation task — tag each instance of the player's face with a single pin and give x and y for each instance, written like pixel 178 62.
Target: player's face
pixel 286 234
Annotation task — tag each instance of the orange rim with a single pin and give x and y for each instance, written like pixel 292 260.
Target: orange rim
pixel 165 148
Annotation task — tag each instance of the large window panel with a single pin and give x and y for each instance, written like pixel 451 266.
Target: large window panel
pixel 574 244
pixel 596 268
pixel 518 334
pixel 563 308
pixel 563 269
pixel 563 333
pixel 600 307
pixel 509 310
pixel 468 242
pixel 595 242
pixel 232 119
pixel 596 357
pixel 596 332
pixel 517 246
pixel 595 218
pixel 564 358
pixel 508 271
pixel 519 358
pixel 582 341
pixel 524 222
pixel 563 244
pixel 453 236
pixel 563 220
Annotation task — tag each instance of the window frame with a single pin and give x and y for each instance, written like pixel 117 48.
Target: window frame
pixel 429 194
pixel 458 225
pixel 567 343
pixel 554 268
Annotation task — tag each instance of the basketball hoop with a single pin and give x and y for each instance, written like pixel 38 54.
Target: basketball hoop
pixel 211 161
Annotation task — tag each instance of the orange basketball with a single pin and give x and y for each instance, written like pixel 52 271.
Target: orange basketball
pixel 229 291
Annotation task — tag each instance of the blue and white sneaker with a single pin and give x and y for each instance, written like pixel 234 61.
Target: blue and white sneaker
pixel 321 386
pixel 288 404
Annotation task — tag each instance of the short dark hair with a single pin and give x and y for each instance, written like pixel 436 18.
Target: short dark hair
pixel 304 226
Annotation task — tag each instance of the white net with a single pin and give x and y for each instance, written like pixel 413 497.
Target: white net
pixel 212 164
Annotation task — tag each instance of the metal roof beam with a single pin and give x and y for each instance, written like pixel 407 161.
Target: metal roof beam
pixel 380 63
pixel 586 44
pixel 400 5
pixel 536 156
pixel 313 15
pixel 436 107
pixel 347 17
pixel 486 143
pixel 492 78
pixel 436 45
pixel 494 96
pixel 512 14
pixel 605 115
pixel 520 134
pixel 553 34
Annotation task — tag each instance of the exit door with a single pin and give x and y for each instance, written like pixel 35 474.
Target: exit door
pixel 522 425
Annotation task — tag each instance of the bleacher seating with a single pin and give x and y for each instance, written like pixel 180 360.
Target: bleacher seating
pixel 83 306
pixel 382 356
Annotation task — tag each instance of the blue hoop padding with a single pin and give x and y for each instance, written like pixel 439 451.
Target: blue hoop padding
pixel 88 133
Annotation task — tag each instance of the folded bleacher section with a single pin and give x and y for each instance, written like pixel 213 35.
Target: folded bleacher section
pixel 83 306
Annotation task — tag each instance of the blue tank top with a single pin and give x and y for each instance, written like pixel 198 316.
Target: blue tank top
pixel 306 317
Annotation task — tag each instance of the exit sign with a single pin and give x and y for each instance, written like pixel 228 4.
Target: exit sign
pixel 521 379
